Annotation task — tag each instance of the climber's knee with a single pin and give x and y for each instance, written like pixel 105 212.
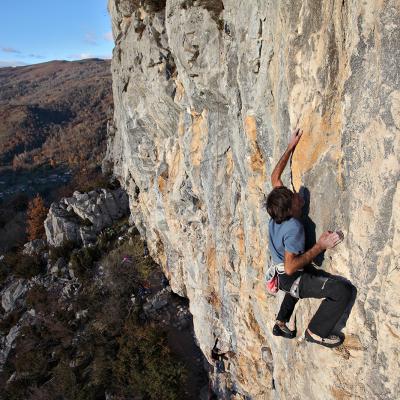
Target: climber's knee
pixel 342 290
pixel 346 291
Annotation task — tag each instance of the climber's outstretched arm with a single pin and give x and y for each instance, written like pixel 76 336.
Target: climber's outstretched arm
pixel 327 240
pixel 277 172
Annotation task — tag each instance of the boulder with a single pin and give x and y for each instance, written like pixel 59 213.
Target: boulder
pixel 156 302
pixel 80 218
pixel 35 247
pixel 6 344
pixel 13 294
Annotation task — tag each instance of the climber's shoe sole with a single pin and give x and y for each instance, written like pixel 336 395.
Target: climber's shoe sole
pixel 331 341
pixel 283 331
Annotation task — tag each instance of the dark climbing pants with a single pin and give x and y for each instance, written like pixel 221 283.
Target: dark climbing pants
pixel 335 292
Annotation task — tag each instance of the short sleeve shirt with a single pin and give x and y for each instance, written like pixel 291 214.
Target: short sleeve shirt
pixel 289 236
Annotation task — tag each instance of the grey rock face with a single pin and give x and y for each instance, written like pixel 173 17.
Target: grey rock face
pixel 156 302
pixel 60 267
pixel 81 217
pixel 6 344
pixel 34 247
pixel 13 293
pixel 205 100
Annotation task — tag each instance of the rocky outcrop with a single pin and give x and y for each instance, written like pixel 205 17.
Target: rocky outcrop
pixel 80 218
pixel 13 294
pixel 35 247
pixel 206 94
pixel 7 342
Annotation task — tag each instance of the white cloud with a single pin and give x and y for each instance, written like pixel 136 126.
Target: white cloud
pixel 85 55
pixel 35 56
pixel 10 50
pixel 108 36
pixel 82 56
pixel 19 54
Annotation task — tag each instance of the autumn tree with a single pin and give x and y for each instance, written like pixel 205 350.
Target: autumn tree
pixel 36 215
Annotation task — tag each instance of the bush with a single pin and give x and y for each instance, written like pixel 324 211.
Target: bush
pixel 12 318
pixel 145 365
pixel 23 265
pixel 85 181
pixel 31 361
pixel 82 260
pixel 63 385
pixel 54 321
pixel 63 251
pixel 139 266
pixel 65 380
pixel 36 297
pixel 4 271
pixel 29 267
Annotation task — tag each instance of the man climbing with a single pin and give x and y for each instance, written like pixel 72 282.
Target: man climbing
pixel 296 277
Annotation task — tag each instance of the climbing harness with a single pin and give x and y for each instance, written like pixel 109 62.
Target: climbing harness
pixel 294 289
pixel 272 281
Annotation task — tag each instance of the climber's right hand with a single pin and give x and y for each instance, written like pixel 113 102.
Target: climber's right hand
pixel 330 239
pixel 294 139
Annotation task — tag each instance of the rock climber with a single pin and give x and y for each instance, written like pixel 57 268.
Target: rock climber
pixel 292 262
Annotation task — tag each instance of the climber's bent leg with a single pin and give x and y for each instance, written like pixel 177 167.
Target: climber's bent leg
pixel 336 294
pixel 287 307
pixel 285 312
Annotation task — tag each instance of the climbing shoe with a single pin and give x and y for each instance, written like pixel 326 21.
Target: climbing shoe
pixel 330 341
pixel 283 331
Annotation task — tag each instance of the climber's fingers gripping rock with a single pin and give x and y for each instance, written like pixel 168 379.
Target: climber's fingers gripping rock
pixel 330 239
pixel 294 139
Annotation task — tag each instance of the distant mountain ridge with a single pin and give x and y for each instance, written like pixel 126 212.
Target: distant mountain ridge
pixel 54 112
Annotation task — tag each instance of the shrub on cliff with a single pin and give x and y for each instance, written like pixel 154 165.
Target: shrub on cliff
pixel 36 214
pixel 145 365
pixel 23 265
pixel 83 259
pixel 63 251
pixel 4 271
pixel 88 180
pixel 36 297
pixel 8 321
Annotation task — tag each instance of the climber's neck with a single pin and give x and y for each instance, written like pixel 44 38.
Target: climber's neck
pixel 297 206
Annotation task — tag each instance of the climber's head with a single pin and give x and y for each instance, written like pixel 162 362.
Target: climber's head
pixel 282 204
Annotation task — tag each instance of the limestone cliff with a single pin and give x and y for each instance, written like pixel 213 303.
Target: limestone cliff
pixel 206 93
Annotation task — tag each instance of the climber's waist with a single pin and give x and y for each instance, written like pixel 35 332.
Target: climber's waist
pixel 280 269
pixel 286 282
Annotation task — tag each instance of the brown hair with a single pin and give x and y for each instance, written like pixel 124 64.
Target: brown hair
pixel 279 204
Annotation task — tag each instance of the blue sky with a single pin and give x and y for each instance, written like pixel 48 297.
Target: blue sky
pixel 35 31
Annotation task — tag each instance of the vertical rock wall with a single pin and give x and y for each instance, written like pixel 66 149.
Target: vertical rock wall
pixel 206 93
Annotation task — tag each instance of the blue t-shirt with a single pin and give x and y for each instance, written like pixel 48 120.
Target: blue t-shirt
pixel 289 236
